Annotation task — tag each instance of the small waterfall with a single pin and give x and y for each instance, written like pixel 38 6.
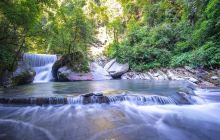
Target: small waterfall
pixel 144 100
pixel 99 98
pixel 42 64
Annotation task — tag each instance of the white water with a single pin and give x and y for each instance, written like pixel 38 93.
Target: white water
pixel 148 111
pixel 42 64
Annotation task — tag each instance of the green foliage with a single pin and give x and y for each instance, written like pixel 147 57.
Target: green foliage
pixel 42 26
pixel 8 45
pixel 150 33
pixel 17 19
pixel 139 57
pixel 116 28
pixel 169 33
pixel 208 55
pixel 69 29
pixel 98 12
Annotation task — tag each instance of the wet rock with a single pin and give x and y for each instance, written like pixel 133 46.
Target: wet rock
pixel 182 74
pixel 62 61
pixel 87 95
pixel 191 70
pixel 199 76
pixel 109 64
pixel 136 75
pixel 214 77
pixel 94 98
pixel 206 84
pixel 98 94
pixel 157 75
pixel 34 100
pixel 181 97
pixel 98 72
pixel 191 79
pixel 66 70
pixel 116 70
pixel 66 74
pixel 24 74
pixel 74 63
pixel 102 61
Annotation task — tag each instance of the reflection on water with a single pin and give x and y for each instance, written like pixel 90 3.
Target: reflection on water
pixel 114 121
pixel 108 87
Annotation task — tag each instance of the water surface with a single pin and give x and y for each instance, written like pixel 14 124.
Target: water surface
pixel 107 87
pixel 114 121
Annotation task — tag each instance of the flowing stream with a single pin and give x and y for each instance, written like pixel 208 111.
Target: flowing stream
pixel 42 64
pixel 117 110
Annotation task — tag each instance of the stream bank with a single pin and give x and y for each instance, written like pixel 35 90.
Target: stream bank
pixel 45 68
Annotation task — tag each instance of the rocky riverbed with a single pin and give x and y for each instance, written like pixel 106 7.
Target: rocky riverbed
pixel 200 77
pixel 102 69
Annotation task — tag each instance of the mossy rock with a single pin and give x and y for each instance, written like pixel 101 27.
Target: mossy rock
pixel 25 77
pixel 24 74
pixel 75 61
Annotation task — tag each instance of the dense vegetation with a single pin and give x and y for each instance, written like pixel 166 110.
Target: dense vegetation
pixel 42 26
pixel 149 34
pixel 168 33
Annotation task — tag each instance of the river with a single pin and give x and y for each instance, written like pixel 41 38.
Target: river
pixel 137 110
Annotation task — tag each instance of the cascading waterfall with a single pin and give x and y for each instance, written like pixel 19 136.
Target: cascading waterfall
pixel 99 98
pixel 42 64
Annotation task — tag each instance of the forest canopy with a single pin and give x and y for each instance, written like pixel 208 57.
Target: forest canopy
pixel 42 26
pixel 148 34
pixel 169 33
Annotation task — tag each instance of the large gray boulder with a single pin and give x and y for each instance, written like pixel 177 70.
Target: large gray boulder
pixel 74 62
pixel 102 61
pixel 66 74
pixel 115 69
pixel 98 72
pixel 24 74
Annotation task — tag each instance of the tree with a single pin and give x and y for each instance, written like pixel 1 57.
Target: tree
pixel 116 28
pixel 17 19
pixel 69 30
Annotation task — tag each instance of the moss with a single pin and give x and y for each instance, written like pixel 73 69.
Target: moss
pixel 76 61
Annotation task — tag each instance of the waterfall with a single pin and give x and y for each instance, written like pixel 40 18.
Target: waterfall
pixel 93 98
pixel 42 64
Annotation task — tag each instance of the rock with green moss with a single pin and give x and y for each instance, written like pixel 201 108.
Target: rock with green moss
pixel 24 74
pixel 68 64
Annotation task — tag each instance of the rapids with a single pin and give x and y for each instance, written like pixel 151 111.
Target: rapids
pixel 136 110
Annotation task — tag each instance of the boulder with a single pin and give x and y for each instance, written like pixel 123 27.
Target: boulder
pixel 24 74
pixel 66 74
pixel 92 98
pixel 109 64
pixel 157 75
pixel 191 79
pixel 62 61
pixel 98 72
pixel 215 77
pixel 136 75
pixel 116 70
pixel 102 61
pixel 74 62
